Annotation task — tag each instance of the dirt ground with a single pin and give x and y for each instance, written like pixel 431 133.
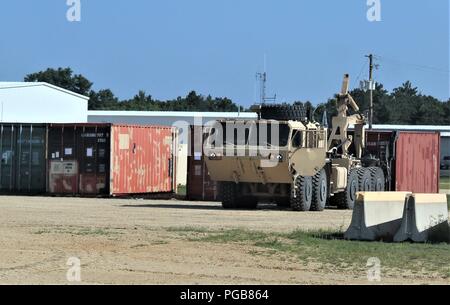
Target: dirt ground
pixel 122 241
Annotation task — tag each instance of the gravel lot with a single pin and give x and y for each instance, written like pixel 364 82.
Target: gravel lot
pixel 131 241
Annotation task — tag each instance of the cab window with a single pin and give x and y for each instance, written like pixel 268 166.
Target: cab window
pixel 297 137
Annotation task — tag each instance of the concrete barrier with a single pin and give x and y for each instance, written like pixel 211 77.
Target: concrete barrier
pixel 377 216
pixel 425 219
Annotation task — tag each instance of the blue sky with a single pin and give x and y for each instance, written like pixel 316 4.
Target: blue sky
pixel 169 47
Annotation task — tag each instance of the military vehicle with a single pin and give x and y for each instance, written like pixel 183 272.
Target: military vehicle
pixel 287 158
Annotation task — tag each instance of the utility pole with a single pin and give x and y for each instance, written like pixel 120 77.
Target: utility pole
pixel 371 87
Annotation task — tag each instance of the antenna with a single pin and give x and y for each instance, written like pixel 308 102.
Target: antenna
pixel 262 77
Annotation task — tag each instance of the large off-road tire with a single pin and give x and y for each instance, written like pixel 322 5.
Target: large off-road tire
pixel 229 195
pixel 284 112
pixel 320 191
pixel 303 194
pixel 247 202
pixel 365 180
pixel 231 199
pixel 346 200
pixel 378 179
pixel 283 202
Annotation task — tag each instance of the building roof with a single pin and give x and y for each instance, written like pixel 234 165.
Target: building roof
pixel 16 85
pixel 180 114
pixel 441 128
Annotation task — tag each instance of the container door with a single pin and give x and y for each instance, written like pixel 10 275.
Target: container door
pixel 94 155
pixel 37 160
pixel 23 164
pixel 63 163
pixel 417 162
pixel 200 185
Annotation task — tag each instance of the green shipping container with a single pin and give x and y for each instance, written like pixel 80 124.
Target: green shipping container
pixel 23 158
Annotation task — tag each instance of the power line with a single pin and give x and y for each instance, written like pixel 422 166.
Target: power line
pixel 360 73
pixel 417 66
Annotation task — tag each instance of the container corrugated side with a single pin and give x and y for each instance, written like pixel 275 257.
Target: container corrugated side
pixel 142 159
pixel 417 162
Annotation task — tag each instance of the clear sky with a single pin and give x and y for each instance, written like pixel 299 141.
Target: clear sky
pixel 169 47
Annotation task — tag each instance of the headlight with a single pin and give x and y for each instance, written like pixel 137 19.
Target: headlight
pixel 214 156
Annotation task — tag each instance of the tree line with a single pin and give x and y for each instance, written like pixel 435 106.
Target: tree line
pixel 403 105
pixel 106 100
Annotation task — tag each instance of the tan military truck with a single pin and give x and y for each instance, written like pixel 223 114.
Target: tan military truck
pixel 287 159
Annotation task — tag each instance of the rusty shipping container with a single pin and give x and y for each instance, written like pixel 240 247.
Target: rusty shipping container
pixel 200 187
pixel 22 151
pixel 412 157
pixel 108 159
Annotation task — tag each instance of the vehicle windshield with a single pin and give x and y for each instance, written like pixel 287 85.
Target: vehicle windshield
pixel 253 134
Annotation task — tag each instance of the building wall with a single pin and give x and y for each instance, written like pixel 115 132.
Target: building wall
pixel 182 120
pixel 182 164
pixel 41 104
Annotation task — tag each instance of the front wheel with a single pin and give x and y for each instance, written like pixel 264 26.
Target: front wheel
pixel 248 202
pixel 320 191
pixel 301 196
pixel 232 198
pixel 229 195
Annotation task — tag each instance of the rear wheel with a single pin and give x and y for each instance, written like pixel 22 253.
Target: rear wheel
pixel 378 179
pixel 320 191
pixel 346 200
pixel 365 180
pixel 301 197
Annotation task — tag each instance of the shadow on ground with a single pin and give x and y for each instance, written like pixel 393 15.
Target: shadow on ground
pixel 262 207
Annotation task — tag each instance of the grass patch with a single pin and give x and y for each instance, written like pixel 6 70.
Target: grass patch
pixel 188 230
pixel 445 183
pixel 332 253
pixel 182 190
pixel 78 231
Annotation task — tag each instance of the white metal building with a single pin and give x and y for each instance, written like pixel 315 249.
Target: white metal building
pixel 40 103
pixel 165 118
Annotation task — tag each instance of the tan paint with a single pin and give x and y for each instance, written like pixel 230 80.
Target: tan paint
pixel 264 168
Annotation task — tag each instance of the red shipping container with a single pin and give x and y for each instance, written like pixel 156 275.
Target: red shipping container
pixel 114 160
pixel 414 158
pixel 417 162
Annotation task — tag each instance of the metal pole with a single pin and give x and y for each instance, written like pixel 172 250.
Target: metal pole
pixel 370 91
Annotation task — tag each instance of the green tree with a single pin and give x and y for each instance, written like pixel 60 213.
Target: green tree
pixel 64 78
pixel 103 100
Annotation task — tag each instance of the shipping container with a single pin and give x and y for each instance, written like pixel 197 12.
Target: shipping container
pixel 417 162
pixel 412 159
pixel 23 163
pixel 200 187
pixel 108 159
